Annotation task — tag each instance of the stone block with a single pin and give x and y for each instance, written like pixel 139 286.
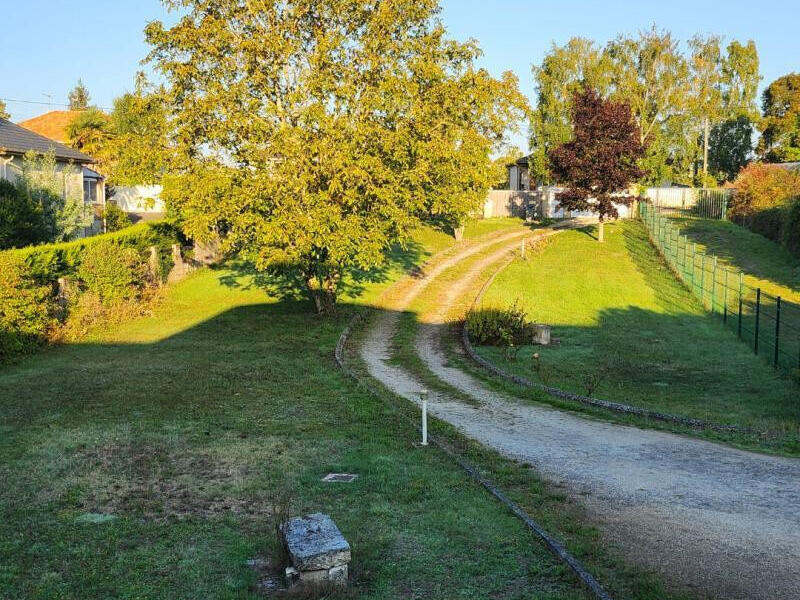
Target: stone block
pixel 541 334
pixel 315 544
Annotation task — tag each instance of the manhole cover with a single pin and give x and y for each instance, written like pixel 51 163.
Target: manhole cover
pixel 339 477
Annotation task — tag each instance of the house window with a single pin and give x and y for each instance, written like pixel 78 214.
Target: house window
pixel 89 191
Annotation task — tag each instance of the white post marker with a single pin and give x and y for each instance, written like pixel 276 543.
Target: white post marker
pixel 423 394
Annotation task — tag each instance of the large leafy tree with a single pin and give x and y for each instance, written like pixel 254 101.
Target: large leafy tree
pixel 600 162
pixel 651 75
pixel 730 145
pixel 140 149
pixel 79 98
pixel 677 98
pixel 311 135
pixel 90 132
pixel 564 70
pixel 780 128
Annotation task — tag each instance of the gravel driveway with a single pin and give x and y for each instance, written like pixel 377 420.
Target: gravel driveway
pixel 708 517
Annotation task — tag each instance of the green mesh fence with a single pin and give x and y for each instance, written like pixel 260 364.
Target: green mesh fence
pixel 766 323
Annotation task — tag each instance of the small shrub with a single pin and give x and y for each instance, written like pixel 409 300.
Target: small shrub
pixel 115 218
pixel 760 187
pixel 112 272
pixel 26 309
pixel 499 327
pixel 21 221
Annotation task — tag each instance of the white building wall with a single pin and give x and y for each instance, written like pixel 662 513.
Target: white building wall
pixel 139 198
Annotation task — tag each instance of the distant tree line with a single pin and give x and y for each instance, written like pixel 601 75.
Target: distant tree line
pixel 696 109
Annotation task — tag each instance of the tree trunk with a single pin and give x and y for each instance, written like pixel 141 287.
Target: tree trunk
pixel 705 150
pixel 323 292
pixel 458 233
pixel 600 231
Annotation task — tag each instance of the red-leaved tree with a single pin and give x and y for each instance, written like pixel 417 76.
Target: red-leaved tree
pixel 600 162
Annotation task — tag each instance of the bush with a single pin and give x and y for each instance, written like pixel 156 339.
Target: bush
pixel 112 272
pixel 48 263
pixel 21 222
pixel 26 309
pixel 767 201
pixel 761 187
pixel 499 327
pixel 115 218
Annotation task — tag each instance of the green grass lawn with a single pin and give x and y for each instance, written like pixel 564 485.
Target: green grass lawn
pixel 629 332
pixel 764 263
pixel 147 462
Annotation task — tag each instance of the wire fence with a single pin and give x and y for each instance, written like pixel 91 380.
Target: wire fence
pixel 691 202
pixel 768 324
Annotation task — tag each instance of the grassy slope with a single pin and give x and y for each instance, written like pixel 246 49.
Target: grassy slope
pixel 624 320
pixel 188 426
pixel 765 264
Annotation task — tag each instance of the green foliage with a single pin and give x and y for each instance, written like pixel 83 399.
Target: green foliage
pixel 760 187
pixel 791 227
pixel 3 111
pixel 564 71
pixel 112 272
pixel 89 132
pixel 111 267
pixel 115 218
pixel 26 308
pixel 780 128
pixel 317 149
pixel 138 154
pixel 21 221
pixel 49 262
pixel 672 95
pixel 499 326
pixel 767 201
pixel 57 191
pixel 730 145
pixel 79 97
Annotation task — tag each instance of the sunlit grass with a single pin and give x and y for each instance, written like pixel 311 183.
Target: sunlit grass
pixel 629 332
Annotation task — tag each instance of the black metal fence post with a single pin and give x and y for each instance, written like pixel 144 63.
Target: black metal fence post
pixel 758 315
pixel 777 331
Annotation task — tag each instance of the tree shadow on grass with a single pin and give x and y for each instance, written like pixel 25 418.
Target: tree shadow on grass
pixel 745 250
pixel 288 285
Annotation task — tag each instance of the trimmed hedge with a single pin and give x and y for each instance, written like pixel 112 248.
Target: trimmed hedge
pixel 110 267
pixel 766 200
pixel 50 261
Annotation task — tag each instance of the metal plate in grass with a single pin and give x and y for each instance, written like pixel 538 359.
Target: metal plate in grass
pixel 339 478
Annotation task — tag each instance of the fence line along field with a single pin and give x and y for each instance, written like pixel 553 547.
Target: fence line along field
pixel 768 323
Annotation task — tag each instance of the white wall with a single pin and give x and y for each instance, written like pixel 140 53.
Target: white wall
pixel 139 198
pixel 549 204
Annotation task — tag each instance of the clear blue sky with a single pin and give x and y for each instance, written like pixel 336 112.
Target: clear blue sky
pixel 47 45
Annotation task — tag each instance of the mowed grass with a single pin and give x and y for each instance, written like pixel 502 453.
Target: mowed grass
pixel 148 462
pixel 764 263
pixel 628 331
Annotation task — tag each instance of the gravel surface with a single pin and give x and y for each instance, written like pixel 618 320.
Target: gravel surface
pixel 710 518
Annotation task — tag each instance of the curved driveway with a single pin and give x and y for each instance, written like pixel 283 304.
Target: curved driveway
pixel 708 517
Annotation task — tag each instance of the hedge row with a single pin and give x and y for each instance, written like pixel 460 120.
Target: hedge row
pixel 50 261
pixel 111 267
pixel 767 201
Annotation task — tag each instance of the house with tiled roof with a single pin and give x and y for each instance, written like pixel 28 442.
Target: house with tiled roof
pixel 52 125
pixel 79 178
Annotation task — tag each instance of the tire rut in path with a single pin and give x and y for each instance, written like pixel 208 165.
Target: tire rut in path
pixel 706 516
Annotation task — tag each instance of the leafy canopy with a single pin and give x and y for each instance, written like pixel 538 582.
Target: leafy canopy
pixel 311 135
pixel 780 132
pixel 600 162
pixel 671 93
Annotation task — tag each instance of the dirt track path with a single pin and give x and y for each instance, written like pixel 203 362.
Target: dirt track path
pixel 708 517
